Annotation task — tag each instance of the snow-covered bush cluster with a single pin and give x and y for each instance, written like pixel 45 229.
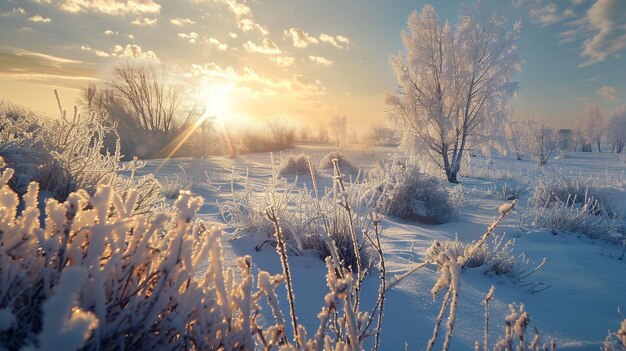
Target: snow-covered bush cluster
pixel 326 163
pixel 497 260
pixel 405 192
pixel 294 165
pixel 68 154
pixel 98 277
pixel 308 216
pixel 574 204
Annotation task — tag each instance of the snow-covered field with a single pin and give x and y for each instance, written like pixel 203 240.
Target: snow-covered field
pixel 585 282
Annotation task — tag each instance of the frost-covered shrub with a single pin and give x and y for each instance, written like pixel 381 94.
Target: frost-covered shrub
pixel 554 187
pixel 66 155
pixel 588 218
pixel 172 186
pixel 575 204
pixel 294 165
pixel 498 259
pixel 326 163
pixel 98 277
pixel 405 192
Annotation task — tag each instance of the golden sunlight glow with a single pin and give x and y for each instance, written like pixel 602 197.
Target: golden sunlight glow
pixel 218 101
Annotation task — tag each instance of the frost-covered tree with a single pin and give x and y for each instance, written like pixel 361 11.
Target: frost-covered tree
pixel 338 129
pixel 616 130
pixel 542 140
pixel 453 79
pixel 593 125
pixel 515 133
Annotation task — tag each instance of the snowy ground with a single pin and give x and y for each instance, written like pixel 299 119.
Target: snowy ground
pixel 586 284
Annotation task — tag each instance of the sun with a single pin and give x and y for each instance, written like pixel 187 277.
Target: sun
pixel 218 101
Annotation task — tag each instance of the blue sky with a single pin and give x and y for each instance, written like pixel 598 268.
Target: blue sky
pixel 304 60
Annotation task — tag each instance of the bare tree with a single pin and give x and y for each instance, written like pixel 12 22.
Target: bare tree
pixel 338 129
pixel 616 130
pixel 283 132
pixel 542 140
pixel 453 79
pixel 148 94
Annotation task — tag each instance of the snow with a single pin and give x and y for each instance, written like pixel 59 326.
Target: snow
pixel 586 280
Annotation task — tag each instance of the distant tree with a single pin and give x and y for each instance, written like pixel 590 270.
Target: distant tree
pixel 593 125
pixel 516 138
pixel 542 140
pixel 338 125
pixel 148 94
pixel 322 133
pixel 303 133
pixel 283 132
pixel 375 135
pixel 453 79
pixel 616 129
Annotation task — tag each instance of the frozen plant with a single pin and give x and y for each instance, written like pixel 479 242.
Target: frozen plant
pixel 172 186
pixel 404 191
pixel 98 277
pixel 616 341
pixel 294 165
pixel 587 218
pixel 326 163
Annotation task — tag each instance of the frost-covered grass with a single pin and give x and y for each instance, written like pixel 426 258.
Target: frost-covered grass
pixel 308 216
pixel 405 192
pixel 575 204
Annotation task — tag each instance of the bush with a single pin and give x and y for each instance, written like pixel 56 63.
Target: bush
pixel 560 187
pixel 405 192
pixel 294 165
pixel 326 163
pixel 66 155
pixel 588 218
pixel 561 202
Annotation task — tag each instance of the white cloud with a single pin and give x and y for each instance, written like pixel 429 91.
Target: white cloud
pixel 216 43
pixel 39 19
pixel 549 13
pixel 342 39
pixel 233 35
pixel 608 92
pixel 191 37
pixel 181 22
pixel 111 32
pixel 111 7
pixel 240 10
pixel 283 61
pixel 144 21
pixel 133 51
pixel 268 47
pixel 321 60
pixel 248 25
pixel 300 38
pixel 99 53
pixel 602 30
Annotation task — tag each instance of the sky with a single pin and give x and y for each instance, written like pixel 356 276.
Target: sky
pixel 250 61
